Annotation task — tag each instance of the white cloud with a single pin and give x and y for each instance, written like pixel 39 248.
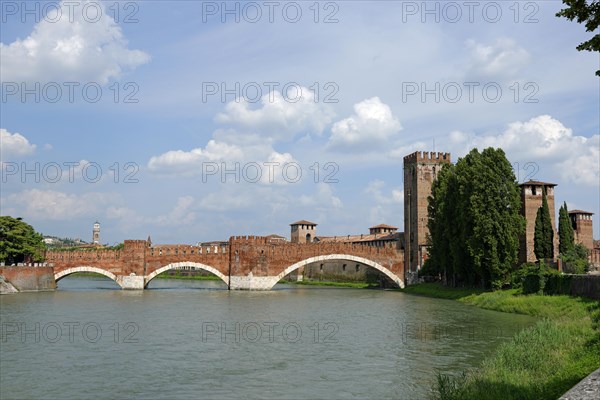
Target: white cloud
pixel 371 127
pixel 191 161
pixel 322 198
pixel 542 139
pixel 55 205
pixel 70 50
pixel 14 145
pixel 504 58
pixel 279 117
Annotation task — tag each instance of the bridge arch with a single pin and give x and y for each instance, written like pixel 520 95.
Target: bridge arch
pixel 85 268
pixel 178 265
pixel 340 257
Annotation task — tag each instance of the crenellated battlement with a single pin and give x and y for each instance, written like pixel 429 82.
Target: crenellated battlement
pixel 424 156
pixel 244 262
pixel 249 239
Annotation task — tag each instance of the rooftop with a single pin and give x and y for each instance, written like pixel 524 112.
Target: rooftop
pixel 383 226
pixel 580 212
pixel 360 238
pixel 303 222
pixel 536 183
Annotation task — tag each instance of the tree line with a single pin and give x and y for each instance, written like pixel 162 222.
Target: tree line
pixel 475 223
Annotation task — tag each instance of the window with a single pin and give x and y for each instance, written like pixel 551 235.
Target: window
pixel 308 238
pixel 357 267
pixel 344 267
pixel 321 268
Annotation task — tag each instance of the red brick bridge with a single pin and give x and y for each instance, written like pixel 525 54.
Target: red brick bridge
pixel 244 262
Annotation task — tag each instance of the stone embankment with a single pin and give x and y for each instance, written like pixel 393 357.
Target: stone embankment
pixel 6 287
pixel 587 389
pixel 26 279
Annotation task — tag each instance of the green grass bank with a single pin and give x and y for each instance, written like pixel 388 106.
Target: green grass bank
pixel 541 362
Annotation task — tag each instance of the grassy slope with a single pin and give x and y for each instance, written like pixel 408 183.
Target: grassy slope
pixel 540 362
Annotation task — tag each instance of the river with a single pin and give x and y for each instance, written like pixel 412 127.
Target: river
pixel 194 339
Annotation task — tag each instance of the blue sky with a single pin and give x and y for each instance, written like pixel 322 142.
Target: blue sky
pixel 173 96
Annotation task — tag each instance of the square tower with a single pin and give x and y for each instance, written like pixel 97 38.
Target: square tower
pixel 420 170
pixel 96 233
pixel 582 227
pixel 303 231
pixel 531 200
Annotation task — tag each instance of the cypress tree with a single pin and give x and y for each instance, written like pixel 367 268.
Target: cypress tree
pixel 565 231
pixel 543 239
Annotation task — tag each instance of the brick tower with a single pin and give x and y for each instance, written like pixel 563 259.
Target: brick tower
pixel 303 231
pixel 420 170
pixel 531 200
pixel 582 227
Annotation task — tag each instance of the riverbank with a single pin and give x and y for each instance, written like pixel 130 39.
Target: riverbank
pixel 540 362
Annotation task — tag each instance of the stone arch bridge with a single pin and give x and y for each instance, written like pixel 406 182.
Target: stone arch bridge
pixel 244 262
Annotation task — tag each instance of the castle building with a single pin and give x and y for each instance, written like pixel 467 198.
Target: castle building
pixel 303 231
pixel 382 228
pixel 420 170
pixel 96 233
pixel 379 236
pixel 531 201
pixel 582 227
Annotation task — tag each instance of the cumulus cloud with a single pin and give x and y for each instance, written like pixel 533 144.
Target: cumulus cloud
pixel 502 59
pixel 542 139
pixel 279 117
pixel 14 145
pixel 191 161
pixel 322 198
pixel 79 49
pixel 55 205
pixel 370 127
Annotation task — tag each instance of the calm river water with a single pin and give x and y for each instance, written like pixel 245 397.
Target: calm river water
pixel 193 339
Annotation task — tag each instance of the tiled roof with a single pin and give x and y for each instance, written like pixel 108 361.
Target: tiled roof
pixel 303 222
pixel 580 212
pixel 383 226
pixel 360 238
pixel 537 183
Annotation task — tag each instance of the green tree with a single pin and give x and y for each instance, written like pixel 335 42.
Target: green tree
pixel 575 261
pixel 475 221
pixel 19 242
pixel 565 231
pixel 584 12
pixel 543 238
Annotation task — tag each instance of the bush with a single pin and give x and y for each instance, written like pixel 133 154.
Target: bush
pixel 518 276
pixel 575 261
pixel 537 276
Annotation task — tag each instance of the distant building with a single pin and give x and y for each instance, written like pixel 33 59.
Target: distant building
pixel 96 233
pixel 273 238
pixel 379 236
pixel 303 231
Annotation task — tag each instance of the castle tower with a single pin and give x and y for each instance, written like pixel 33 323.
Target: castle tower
pixel 582 227
pixel 303 231
pixel 420 170
pixel 96 233
pixel 531 200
